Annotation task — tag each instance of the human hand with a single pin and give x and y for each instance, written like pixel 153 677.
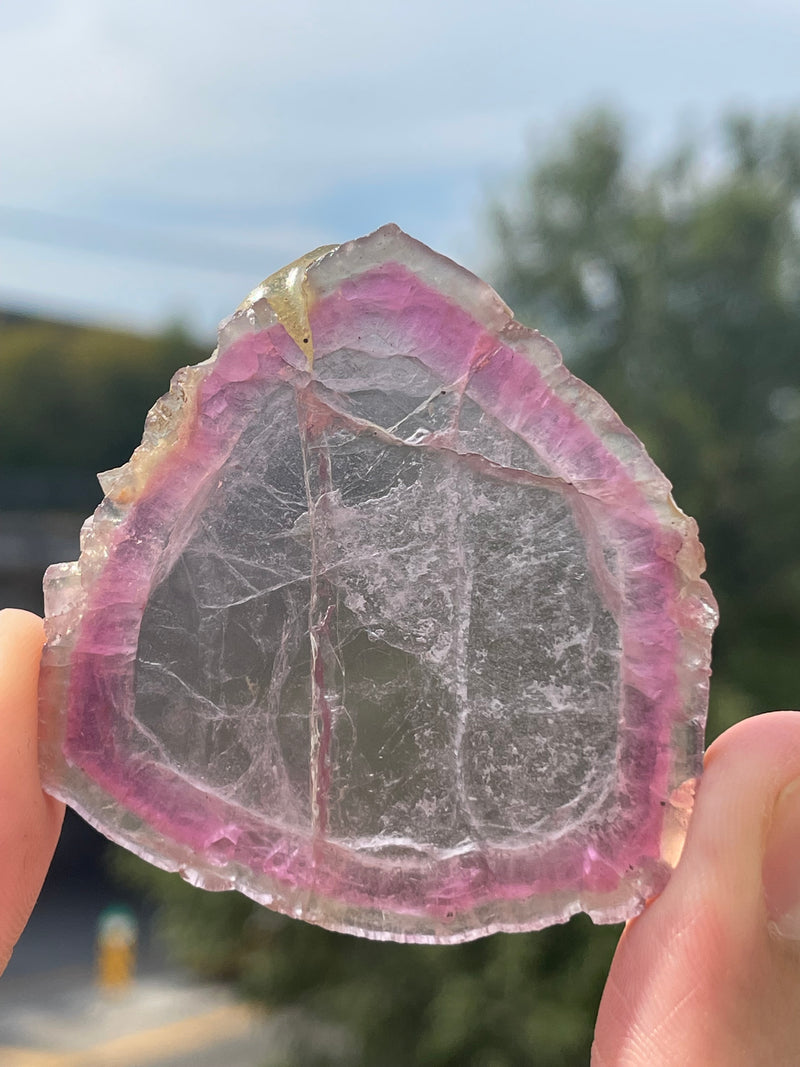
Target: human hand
pixel 709 974
pixel 30 821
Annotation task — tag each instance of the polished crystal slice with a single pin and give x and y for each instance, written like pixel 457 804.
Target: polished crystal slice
pixel 388 623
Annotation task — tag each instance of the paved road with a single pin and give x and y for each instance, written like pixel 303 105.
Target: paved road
pixel 62 1020
pixel 52 1015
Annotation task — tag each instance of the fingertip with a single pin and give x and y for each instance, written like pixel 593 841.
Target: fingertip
pixel 704 954
pixel 18 624
pixel 30 821
pixel 744 772
pixel 21 641
pixel 770 734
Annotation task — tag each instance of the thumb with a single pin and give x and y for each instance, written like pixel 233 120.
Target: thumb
pixel 30 822
pixel 710 972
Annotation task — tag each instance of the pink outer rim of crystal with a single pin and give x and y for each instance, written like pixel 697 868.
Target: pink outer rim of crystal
pixel 497 373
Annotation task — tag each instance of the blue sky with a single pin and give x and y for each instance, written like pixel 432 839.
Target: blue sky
pixel 158 159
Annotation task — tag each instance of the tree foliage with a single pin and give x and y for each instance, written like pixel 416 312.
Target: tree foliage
pixel 75 397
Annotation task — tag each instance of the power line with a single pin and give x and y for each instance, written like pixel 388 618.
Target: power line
pixel 128 242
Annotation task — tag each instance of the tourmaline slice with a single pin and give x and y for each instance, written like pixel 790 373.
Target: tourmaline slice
pixel 388 623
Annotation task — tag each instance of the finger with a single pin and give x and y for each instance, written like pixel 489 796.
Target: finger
pixel 21 640
pixel 30 821
pixel 700 976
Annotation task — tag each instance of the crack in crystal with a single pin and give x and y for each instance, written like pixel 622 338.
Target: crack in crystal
pixel 319 614
pixel 606 585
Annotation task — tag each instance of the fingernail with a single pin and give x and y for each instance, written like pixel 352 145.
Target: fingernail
pixel 781 870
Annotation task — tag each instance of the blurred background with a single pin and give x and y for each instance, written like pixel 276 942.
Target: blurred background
pixel 628 177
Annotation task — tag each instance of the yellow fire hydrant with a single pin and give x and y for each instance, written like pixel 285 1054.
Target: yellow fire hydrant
pixel 117 934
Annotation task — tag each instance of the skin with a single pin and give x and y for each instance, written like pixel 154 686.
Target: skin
pixel 701 977
pixel 30 821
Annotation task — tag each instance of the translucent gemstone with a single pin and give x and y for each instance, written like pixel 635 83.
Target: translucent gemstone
pixel 389 623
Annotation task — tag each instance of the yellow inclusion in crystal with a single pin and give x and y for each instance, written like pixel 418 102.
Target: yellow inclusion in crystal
pixel 286 292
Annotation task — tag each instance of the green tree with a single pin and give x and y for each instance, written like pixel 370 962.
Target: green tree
pixel 673 289
pixel 74 397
